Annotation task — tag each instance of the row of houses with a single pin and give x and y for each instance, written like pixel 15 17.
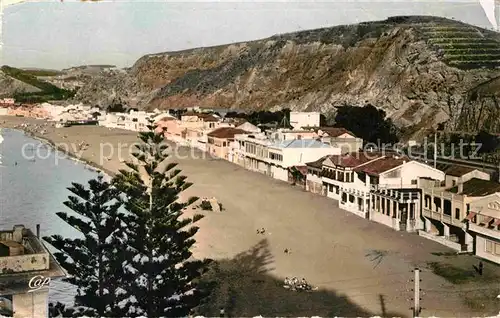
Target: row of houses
pixel 455 206
pixel 133 119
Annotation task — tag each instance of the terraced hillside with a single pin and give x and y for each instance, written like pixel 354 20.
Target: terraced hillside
pixel 464 46
pixel 420 70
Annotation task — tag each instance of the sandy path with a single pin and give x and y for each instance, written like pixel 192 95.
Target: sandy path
pixel 331 248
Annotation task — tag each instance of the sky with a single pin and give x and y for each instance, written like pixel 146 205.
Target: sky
pixel 54 35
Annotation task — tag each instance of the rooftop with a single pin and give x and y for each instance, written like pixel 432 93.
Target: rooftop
pixel 318 163
pixel 16 283
pixel 301 169
pixel 477 188
pixel 457 171
pixel 354 159
pixel 382 165
pixel 34 259
pixel 300 143
pixel 334 131
pixel 226 132
pixel 204 116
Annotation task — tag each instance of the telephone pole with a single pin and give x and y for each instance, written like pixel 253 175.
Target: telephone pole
pixel 435 150
pixel 416 298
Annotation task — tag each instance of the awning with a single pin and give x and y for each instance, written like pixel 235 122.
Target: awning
pixel 486 220
pixel 470 216
pixel 496 223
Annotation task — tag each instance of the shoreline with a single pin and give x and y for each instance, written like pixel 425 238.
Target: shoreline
pixel 95 167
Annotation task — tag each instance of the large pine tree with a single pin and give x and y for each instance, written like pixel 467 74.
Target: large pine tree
pixel 158 237
pixel 95 262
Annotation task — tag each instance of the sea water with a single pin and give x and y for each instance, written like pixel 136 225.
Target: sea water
pixel 33 186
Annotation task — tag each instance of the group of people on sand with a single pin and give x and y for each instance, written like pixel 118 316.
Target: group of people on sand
pixel 293 283
pixel 297 285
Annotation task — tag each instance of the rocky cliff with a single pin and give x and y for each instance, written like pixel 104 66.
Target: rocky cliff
pixel 420 70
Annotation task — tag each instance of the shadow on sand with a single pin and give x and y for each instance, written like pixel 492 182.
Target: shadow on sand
pixel 243 287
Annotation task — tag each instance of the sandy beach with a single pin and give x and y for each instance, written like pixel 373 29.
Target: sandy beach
pixel 361 268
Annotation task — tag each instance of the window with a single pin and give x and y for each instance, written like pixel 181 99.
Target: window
pixel 457 213
pixel 468 207
pixel 414 181
pixel 223 144
pixel 453 183
pixel 330 188
pixel 488 246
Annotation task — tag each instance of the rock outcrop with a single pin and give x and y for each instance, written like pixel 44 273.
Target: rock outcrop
pixel 420 70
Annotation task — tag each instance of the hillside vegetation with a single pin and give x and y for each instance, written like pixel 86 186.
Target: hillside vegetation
pixel 420 70
pixel 46 91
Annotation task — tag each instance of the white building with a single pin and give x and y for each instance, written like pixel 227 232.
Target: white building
pixel 395 195
pixel 483 221
pixel 246 126
pixel 375 186
pixel 446 210
pixel 341 137
pixel 459 174
pixel 256 157
pixel 7 101
pixel 274 158
pixel 286 134
pixel 298 120
pixel 138 120
pixel 339 171
pixel 133 120
pixel 27 270
pixel 161 116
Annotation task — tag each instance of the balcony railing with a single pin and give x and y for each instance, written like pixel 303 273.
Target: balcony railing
pixel 483 230
pixel 449 219
pixel 395 194
pixel 377 187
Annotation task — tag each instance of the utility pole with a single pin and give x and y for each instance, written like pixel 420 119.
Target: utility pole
pixel 435 150
pixel 416 297
pixel 499 170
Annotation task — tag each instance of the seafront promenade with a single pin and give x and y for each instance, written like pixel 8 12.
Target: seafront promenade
pixel 361 267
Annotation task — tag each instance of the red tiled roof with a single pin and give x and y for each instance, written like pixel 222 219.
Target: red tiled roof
pixel 458 171
pixel 382 165
pixel 335 131
pixel 354 159
pixel 226 132
pixel 301 169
